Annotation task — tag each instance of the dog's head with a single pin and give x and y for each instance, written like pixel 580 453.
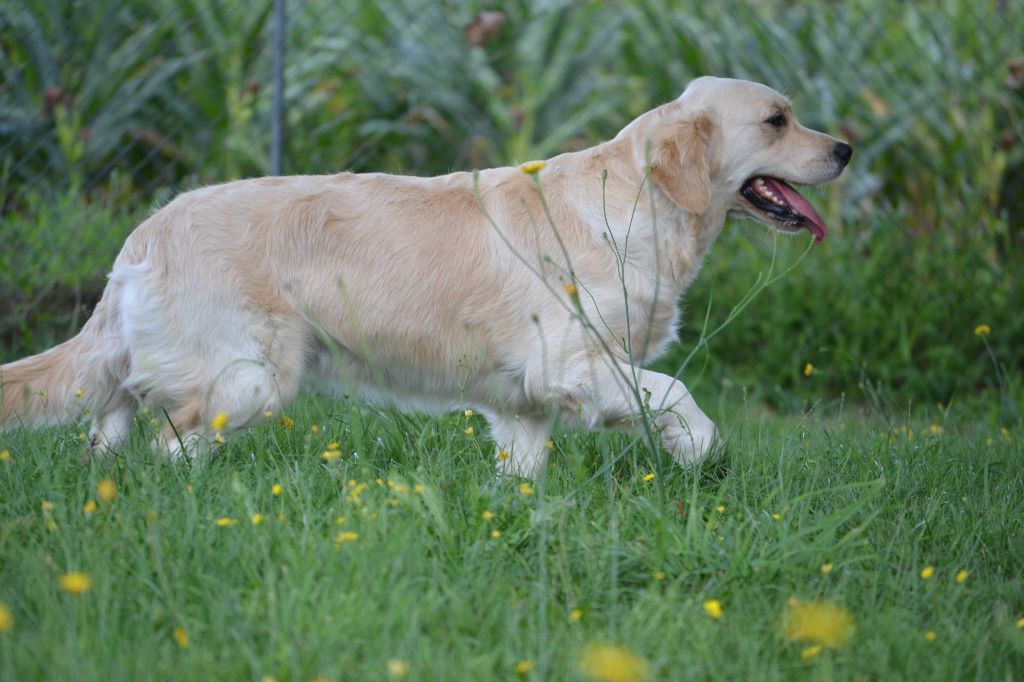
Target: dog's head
pixel 736 145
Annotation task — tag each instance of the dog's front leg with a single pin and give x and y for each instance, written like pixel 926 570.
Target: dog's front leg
pixel 616 394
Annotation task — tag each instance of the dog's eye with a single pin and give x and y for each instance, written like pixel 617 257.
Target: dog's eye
pixel 776 121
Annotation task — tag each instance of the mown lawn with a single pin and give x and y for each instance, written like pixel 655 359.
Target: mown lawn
pixel 389 553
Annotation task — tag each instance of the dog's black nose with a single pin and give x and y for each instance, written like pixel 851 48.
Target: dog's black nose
pixel 843 152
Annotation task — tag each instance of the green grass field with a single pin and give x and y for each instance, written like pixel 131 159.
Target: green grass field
pixel 388 553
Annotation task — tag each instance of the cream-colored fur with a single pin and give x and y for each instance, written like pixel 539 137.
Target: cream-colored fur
pixel 432 292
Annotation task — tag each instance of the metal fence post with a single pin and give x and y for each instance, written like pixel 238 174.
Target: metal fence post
pixel 277 111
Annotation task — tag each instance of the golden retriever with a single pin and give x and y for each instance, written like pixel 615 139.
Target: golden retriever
pixel 524 292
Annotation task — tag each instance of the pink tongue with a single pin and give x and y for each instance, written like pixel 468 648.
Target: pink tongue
pixel 815 223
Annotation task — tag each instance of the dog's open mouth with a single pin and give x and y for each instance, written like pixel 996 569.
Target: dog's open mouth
pixel 783 205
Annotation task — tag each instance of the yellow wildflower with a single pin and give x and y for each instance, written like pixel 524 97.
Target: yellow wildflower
pixel 276 489
pixel 720 509
pixel 808 369
pixel 1020 623
pixel 346 536
pixel 329 455
pixel 469 430
pixel 79 393
pixel 47 506
pixel 495 534
pixel 75 582
pixel 525 489
pixel 397 667
pixel 90 507
pixel 776 516
pixel 961 576
pixel 570 289
pixel 107 490
pixel 488 515
pixel 575 615
pixel 468 413
pixel 286 422
pixel 713 608
pixel 826 568
pixel 269 414
pixel 314 428
pixel 930 636
pixel 609 663
pixel 418 488
pixel 82 437
pixel 6 618
pixel 982 330
pixel 810 652
pixel 502 455
pixel 523 667
pixel 340 520
pixel 226 521
pixel 5 455
pixel 818 622
pixel 648 477
pixel 531 167
pixel 927 572
pixel 218 439
pixel 219 421
pixel 549 444
pixel 181 637
pixel 256 519
pixel 659 575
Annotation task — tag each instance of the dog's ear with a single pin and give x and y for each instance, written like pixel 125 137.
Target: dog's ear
pixel 681 163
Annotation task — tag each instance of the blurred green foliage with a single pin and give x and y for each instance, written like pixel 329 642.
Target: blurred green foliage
pixel 107 106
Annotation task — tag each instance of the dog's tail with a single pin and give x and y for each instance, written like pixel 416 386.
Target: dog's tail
pixel 68 381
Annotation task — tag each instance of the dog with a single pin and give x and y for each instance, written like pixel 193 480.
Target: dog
pixel 526 293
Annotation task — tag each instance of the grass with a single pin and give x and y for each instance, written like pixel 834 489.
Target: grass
pixel 878 496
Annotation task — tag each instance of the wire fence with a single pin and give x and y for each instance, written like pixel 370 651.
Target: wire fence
pixel 124 96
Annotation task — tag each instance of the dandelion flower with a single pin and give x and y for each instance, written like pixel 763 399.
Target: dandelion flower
pixel 269 414
pixel 5 455
pixel 219 421
pixel 256 519
pixel 346 536
pixel 609 663
pixel 531 167
pixel 46 506
pixel 1020 623
pixel 648 477
pixel 961 576
pixel 523 667
pixel 720 509
pixel 525 489
pixel 575 615
pixel 927 572
pixel 313 428
pixel 488 515
pixel 286 422
pixel 107 490
pixel 181 637
pixel 396 667
pixel 549 444
pixel 570 289
pixel 930 636
pixel 469 430
pixel 826 568
pixel 330 455
pixel 468 413
pixel 226 521
pixel 502 455
pixel 776 516
pixel 810 652
pixel 218 439
pixel 818 622
pixel 418 488
pixel 495 534
pixel 90 507
pixel 75 582
pixel 659 575
pixel 79 393
pixel 713 608
pixel 808 369
pixel 6 618
pixel 276 489
pixel 982 330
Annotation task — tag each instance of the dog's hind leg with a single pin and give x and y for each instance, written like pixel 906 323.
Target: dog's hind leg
pixel 112 423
